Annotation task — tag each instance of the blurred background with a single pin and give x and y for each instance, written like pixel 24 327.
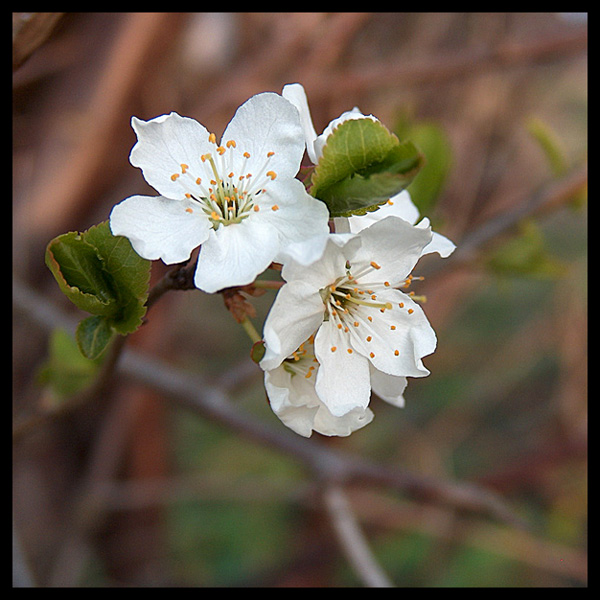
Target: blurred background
pixel 498 104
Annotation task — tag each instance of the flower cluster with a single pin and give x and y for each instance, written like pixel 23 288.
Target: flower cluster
pixel 344 323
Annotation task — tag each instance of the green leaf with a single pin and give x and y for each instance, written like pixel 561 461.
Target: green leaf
pixel 66 371
pixel 427 186
pixel 102 275
pixel 79 272
pixel 128 272
pixel 362 166
pixel 525 255
pixel 550 146
pixel 93 336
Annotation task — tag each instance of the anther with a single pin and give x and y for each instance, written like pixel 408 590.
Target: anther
pixel 189 210
pixel 256 208
pixel 333 348
pixel 396 353
pixel 246 154
pixel 221 150
pixel 175 176
pixel 375 265
pixel 274 207
pixel 269 154
pixel 230 144
pixel 184 167
pixel 271 174
pixel 212 138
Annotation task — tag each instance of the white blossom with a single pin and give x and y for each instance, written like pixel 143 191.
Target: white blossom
pixel 368 333
pixel 238 199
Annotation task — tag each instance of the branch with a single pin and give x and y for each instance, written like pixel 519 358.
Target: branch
pixel 547 198
pixel 352 539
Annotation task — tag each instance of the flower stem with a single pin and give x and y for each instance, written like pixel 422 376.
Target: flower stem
pixel 251 330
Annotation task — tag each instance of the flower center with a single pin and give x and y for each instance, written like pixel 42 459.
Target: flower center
pixel 346 294
pixel 349 303
pixel 302 361
pixel 225 191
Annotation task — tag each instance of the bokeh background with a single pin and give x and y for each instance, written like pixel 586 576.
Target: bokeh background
pixel 498 103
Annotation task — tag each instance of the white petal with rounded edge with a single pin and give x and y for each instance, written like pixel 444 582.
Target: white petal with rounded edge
pixel 295 93
pixel 294 400
pixel 343 381
pixel 268 123
pixel 395 330
pixel 440 244
pixel 298 217
pixel 164 144
pixel 401 206
pixel 234 255
pixel 388 387
pixel 294 316
pixel 159 227
pixel 395 246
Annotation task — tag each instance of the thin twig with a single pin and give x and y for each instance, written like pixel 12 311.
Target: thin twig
pixel 352 539
pixel 197 394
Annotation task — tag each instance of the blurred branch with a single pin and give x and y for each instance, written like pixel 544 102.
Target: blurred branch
pixel 447 66
pixel 29 31
pixel 194 393
pixel 352 539
pixel 551 196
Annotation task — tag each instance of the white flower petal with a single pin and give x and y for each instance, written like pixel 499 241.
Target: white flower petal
pixel 395 246
pixel 295 315
pixel 298 217
pixel 343 381
pixel 388 387
pixel 440 244
pixel 400 205
pixel 231 255
pixel 399 339
pixel 164 144
pixel 294 400
pixel 268 123
pixel 294 92
pixel 159 227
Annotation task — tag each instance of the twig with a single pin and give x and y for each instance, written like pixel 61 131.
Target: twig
pixel 352 539
pixel 549 197
pixel 198 395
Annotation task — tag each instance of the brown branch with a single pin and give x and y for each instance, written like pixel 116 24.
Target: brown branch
pixel 444 67
pixel 198 395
